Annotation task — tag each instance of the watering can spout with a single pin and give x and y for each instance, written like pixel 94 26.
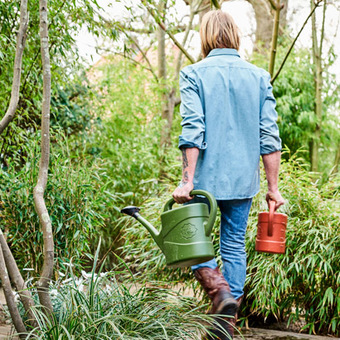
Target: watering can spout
pixel 134 212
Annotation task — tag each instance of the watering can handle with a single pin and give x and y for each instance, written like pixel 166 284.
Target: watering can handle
pixel 212 203
pixel 271 217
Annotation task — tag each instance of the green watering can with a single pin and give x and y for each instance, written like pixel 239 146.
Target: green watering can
pixel 185 234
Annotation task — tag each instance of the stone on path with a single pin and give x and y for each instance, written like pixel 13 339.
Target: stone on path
pixel 270 334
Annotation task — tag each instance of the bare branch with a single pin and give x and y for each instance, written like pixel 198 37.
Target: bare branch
pixel 172 37
pixel 185 38
pixel 137 63
pixel 137 30
pixel 293 43
pixel 18 281
pixel 198 6
pixel 175 29
pixel 21 40
pixel 216 4
pixel 273 4
pixel 143 54
pixel 12 307
pixel 38 192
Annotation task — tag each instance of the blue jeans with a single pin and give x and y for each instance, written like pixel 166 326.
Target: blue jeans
pixel 234 219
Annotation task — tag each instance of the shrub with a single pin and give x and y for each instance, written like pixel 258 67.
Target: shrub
pixel 75 198
pixel 98 307
pixel 305 281
pixel 128 140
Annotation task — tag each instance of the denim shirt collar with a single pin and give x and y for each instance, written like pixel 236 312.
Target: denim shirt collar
pixel 223 51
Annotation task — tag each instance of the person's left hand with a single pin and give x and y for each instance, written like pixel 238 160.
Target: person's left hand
pixel 182 192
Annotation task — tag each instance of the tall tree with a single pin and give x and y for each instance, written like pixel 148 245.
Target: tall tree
pixel 317 47
pixel 39 190
pixel 165 32
pixel 264 15
pixel 20 45
pixel 8 267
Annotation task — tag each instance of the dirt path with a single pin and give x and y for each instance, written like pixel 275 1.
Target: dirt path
pixel 6 331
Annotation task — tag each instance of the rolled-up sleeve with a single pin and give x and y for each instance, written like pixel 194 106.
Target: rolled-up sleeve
pixel 269 132
pixel 193 125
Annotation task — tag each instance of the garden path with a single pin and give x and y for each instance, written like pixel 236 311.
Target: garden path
pixel 248 334
pixel 270 334
pixel 6 331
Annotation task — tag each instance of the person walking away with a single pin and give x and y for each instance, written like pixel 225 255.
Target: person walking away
pixel 229 121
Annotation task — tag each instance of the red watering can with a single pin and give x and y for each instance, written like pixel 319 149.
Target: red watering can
pixel 271 231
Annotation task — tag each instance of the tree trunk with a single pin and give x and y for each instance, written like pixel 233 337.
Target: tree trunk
pixel 204 8
pixel 11 304
pixel 38 192
pixel 274 37
pixel 283 15
pixel 264 22
pixel 21 40
pixel 18 281
pixel 318 84
pixel 167 112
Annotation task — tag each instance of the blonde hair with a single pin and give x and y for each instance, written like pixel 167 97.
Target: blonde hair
pixel 218 30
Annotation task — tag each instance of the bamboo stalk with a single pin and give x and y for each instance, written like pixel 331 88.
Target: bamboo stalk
pixel 20 46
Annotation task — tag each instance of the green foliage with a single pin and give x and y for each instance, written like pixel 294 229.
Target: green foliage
pixel 119 162
pixel 295 95
pixel 134 138
pixel 97 306
pixel 294 92
pixel 75 198
pixel 65 20
pixel 70 107
pixel 304 282
pixel 128 138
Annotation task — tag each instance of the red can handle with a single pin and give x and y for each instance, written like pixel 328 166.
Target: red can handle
pixel 271 217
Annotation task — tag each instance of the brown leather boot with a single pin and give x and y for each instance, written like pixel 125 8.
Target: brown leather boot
pixel 225 327
pixel 217 288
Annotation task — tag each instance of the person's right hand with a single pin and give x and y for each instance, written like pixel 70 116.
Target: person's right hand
pixel 275 196
pixel 182 192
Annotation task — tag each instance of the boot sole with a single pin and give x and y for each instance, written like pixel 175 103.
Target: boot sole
pixel 227 307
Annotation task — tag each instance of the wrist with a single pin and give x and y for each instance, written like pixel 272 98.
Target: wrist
pixel 273 188
pixel 187 178
pixel 184 182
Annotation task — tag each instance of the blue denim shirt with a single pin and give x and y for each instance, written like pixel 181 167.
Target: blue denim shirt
pixel 228 112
